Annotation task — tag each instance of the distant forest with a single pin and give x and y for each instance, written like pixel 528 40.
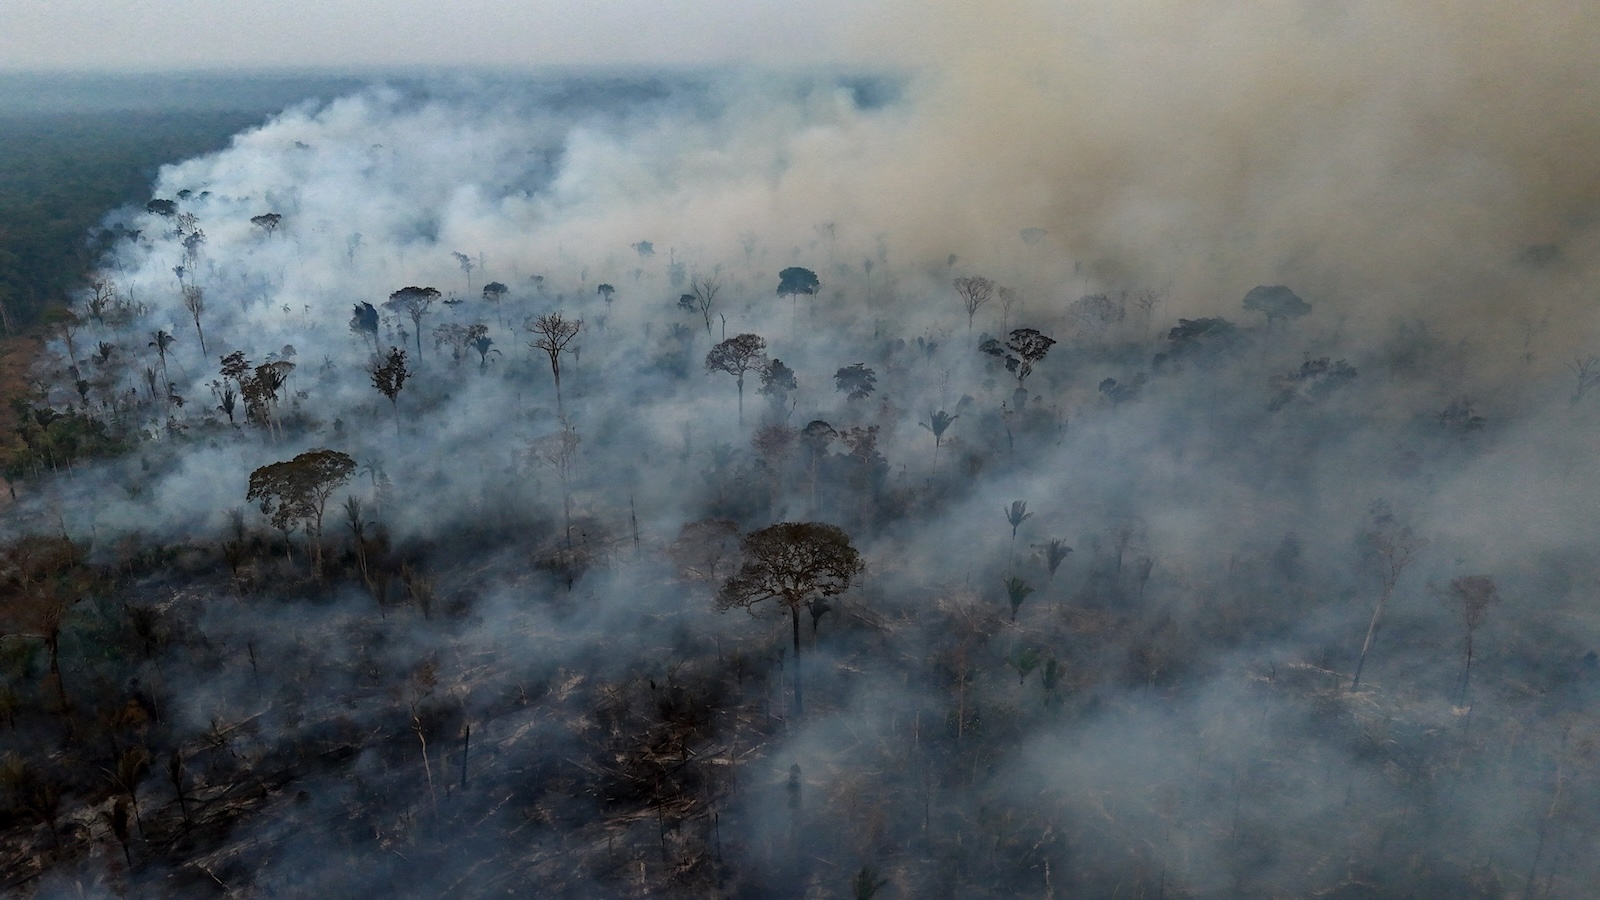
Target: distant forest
pixel 74 148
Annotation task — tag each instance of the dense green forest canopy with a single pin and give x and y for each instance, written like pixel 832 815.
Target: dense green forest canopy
pixel 76 147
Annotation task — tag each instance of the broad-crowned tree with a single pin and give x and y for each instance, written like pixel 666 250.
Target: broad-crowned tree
pixel 295 492
pixel 736 356
pixel 413 302
pixel 494 291
pixel 1023 348
pixel 792 564
pixel 856 382
pixel 267 222
pixel 1275 302
pixel 364 322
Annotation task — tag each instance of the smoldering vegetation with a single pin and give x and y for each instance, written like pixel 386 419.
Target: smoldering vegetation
pixel 343 560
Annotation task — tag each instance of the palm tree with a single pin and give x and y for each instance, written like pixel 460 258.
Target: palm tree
pixel 1016 515
pixel 938 423
pixel 161 340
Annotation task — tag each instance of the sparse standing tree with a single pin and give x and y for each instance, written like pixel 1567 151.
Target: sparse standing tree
pixel 974 291
pixel 1023 348
pixel 938 423
pixel 194 300
pixel 1055 553
pixel 856 382
pixel 494 291
pixel 364 322
pixel 267 222
pixel 413 302
pixel 777 382
pixel 702 297
pixel 1391 546
pixel 1470 597
pixel 791 563
pixel 296 492
pixel 1008 299
pixel 1017 590
pixel 1016 515
pixel 102 296
pixel 736 356
pixel 1587 370
pixel 467 264
pixel 163 341
pixel 794 281
pixel 552 335
pixel 389 376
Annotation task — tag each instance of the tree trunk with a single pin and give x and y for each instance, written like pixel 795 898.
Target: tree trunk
pixel 1366 645
pixel 799 695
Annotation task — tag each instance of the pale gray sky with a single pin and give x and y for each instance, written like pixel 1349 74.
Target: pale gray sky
pixel 165 34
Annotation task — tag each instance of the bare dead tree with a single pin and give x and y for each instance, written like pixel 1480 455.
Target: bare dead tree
pixel 1587 371
pixel 1470 597
pixel 1391 546
pixel 704 290
pixel 974 291
pixel 194 300
pixel 552 333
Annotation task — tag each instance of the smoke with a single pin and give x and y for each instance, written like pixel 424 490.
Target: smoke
pixel 1170 707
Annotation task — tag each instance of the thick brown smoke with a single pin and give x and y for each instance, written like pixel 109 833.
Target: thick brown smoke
pixel 1417 158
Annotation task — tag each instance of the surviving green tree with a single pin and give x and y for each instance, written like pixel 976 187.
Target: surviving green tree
pixel 736 356
pixel 389 375
pixel 295 492
pixel 792 563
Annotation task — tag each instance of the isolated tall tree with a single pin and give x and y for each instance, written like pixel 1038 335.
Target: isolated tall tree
pixel 736 356
pixel 194 300
pixel 794 564
pixel 389 375
pixel 1055 553
pixel 552 333
pixel 267 222
pixel 777 382
pixel 1275 302
pixel 1023 348
pixel 795 281
pixel 974 291
pixel 938 423
pixel 467 264
pixel 364 322
pixel 162 341
pixel 856 382
pixel 1470 597
pixel 702 297
pixel 413 302
pixel 296 492
pixel 1390 546
pixel 493 292
pixel 1016 515
pixel 607 292
pixel 559 451
pixel 483 344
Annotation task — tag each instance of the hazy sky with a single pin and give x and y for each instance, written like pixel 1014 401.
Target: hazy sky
pixel 153 34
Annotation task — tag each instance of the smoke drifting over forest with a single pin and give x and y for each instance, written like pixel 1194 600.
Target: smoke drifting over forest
pixel 512 674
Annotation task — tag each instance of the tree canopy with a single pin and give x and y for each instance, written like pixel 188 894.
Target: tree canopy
pixel 795 280
pixel 295 492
